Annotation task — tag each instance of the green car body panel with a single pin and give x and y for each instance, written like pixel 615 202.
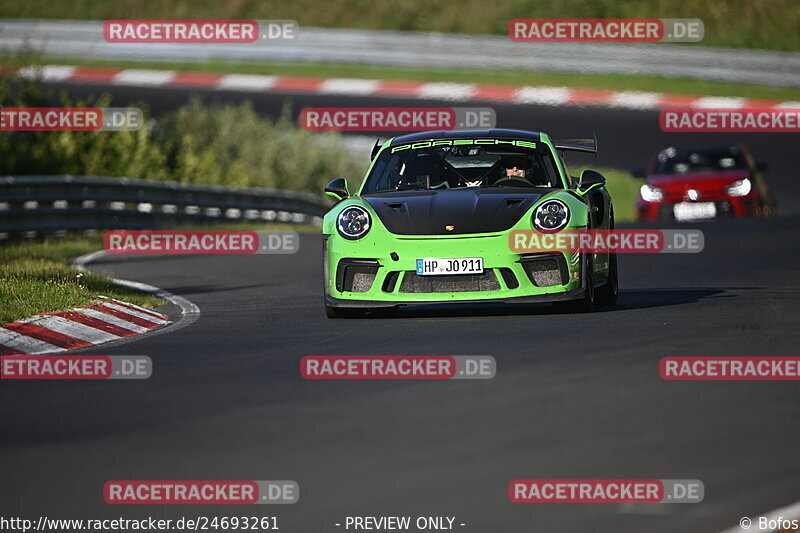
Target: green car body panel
pixel 382 260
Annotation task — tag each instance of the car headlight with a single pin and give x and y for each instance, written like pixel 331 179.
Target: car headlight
pixel 651 194
pixel 353 222
pixel 740 188
pixel 550 216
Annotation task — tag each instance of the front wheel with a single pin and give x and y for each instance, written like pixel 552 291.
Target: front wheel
pixel 585 304
pixel 607 293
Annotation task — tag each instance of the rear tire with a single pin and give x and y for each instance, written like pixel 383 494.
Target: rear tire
pixel 607 293
pixel 586 303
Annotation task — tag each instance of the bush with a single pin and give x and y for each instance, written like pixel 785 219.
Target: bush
pixel 221 144
pixel 240 148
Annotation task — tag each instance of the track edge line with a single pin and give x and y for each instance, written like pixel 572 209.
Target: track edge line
pixel 190 312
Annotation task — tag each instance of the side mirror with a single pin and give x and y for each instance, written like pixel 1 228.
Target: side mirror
pixel 590 179
pixel 638 173
pixel 337 188
pixel 761 166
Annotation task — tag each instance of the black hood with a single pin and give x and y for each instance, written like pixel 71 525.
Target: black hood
pixel 470 210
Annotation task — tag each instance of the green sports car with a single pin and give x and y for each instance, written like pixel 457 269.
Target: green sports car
pixel 432 220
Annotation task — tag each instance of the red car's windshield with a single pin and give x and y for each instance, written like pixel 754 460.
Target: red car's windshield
pixel 682 161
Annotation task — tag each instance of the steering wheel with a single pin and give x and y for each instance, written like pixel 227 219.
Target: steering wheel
pixel 409 183
pixel 513 181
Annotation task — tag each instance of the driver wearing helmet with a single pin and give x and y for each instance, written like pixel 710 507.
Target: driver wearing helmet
pixel 516 167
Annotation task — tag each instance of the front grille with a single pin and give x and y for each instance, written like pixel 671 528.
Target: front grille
pixel 546 273
pixel 356 275
pixel 362 281
pixel 413 283
pixel 545 270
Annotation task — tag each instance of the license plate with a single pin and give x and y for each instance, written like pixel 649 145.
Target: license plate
pixel 438 266
pixel 694 210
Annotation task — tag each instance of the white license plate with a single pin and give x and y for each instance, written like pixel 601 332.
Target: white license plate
pixel 438 266
pixel 694 210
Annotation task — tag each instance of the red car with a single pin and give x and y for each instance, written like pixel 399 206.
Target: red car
pixel 688 184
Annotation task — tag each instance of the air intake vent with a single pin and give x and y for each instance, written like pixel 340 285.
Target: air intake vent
pixel 391 281
pixel 509 278
pixel 412 283
pixel 545 270
pixel 356 275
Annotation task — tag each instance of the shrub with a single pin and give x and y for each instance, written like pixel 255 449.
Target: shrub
pixel 220 144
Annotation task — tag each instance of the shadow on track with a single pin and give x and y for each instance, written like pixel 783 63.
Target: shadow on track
pixel 628 300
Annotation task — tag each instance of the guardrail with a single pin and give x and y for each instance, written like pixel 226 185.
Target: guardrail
pixel 84 39
pixel 42 206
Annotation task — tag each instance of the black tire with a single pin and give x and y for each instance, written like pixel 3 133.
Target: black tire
pixel 585 304
pixel 607 293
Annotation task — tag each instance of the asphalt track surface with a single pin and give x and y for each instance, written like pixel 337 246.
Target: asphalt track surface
pixel 575 396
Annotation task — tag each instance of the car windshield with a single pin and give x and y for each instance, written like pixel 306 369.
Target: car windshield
pixel 681 161
pixel 405 167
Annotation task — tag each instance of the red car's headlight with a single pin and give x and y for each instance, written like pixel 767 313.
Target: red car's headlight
pixel 651 194
pixel 740 188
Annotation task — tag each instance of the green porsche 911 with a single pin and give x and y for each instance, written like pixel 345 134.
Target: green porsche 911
pixel 432 220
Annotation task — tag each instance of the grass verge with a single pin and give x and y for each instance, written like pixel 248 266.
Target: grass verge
pixel 623 189
pixel 35 277
pixel 614 82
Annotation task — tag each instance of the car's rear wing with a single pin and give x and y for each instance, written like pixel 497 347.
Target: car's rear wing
pixel 578 145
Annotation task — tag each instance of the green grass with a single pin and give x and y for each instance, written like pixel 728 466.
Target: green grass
pixel 766 24
pixel 623 189
pixel 57 250
pixel 39 284
pixel 683 86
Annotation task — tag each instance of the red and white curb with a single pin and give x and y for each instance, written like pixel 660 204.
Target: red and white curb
pixel 460 92
pixel 103 321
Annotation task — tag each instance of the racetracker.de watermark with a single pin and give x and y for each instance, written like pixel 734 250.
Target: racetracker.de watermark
pixel 26 367
pixel 605 241
pixel 606 30
pixel 198 31
pixel 606 491
pixel 201 242
pixel 201 492
pixel 71 119
pixel 396 118
pixel 398 367
pixel 730 120
pixel 735 368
